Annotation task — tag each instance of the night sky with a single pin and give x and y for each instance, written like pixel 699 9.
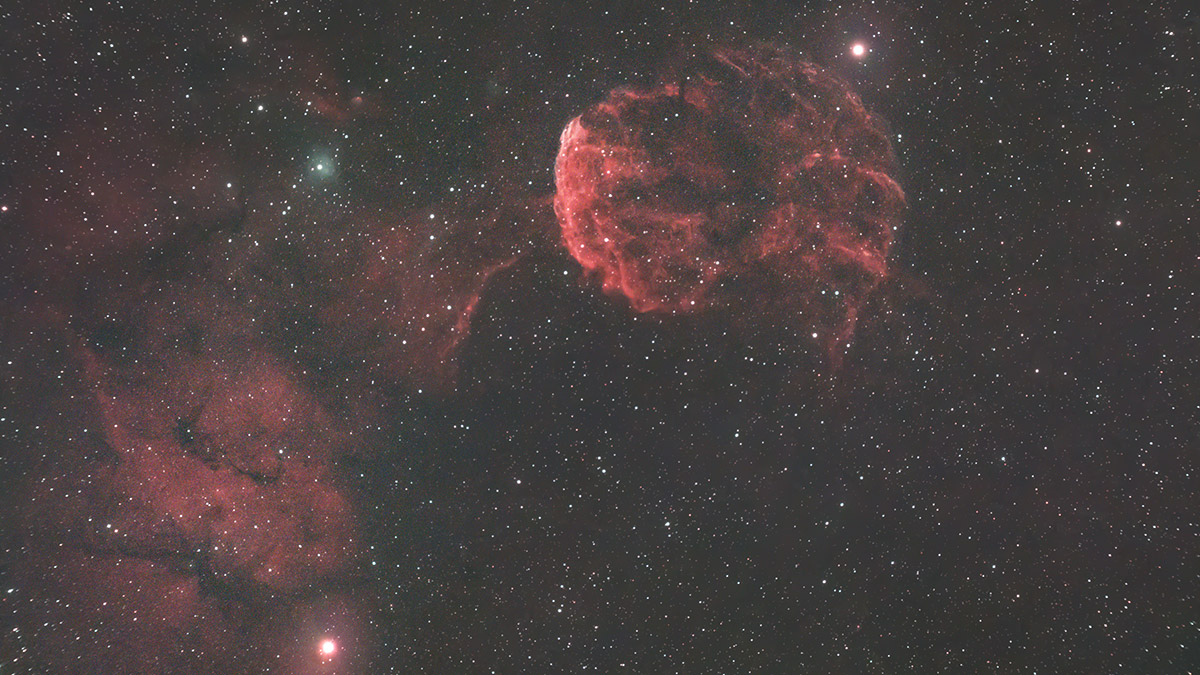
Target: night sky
pixel 631 337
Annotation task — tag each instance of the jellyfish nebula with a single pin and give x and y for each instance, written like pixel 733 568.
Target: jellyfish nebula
pixel 753 174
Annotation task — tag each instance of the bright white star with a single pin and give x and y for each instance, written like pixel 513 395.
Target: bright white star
pixel 328 648
pixel 858 49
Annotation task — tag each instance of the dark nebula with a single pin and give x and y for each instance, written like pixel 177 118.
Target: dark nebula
pixel 754 172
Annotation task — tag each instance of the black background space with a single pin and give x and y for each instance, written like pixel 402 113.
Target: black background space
pixel 291 352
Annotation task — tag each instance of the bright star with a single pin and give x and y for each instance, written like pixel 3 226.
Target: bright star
pixel 328 648
pixel 858 49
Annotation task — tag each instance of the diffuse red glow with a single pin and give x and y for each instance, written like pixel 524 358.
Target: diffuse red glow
pixel 216 408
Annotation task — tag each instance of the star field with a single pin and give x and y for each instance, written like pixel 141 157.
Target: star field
pixel 297 374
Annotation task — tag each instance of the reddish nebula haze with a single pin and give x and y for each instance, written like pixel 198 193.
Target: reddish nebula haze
pixel 755 171
pixel 217 358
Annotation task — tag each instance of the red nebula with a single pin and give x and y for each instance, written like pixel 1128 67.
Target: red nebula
pixel 756 172
pixel 405 307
